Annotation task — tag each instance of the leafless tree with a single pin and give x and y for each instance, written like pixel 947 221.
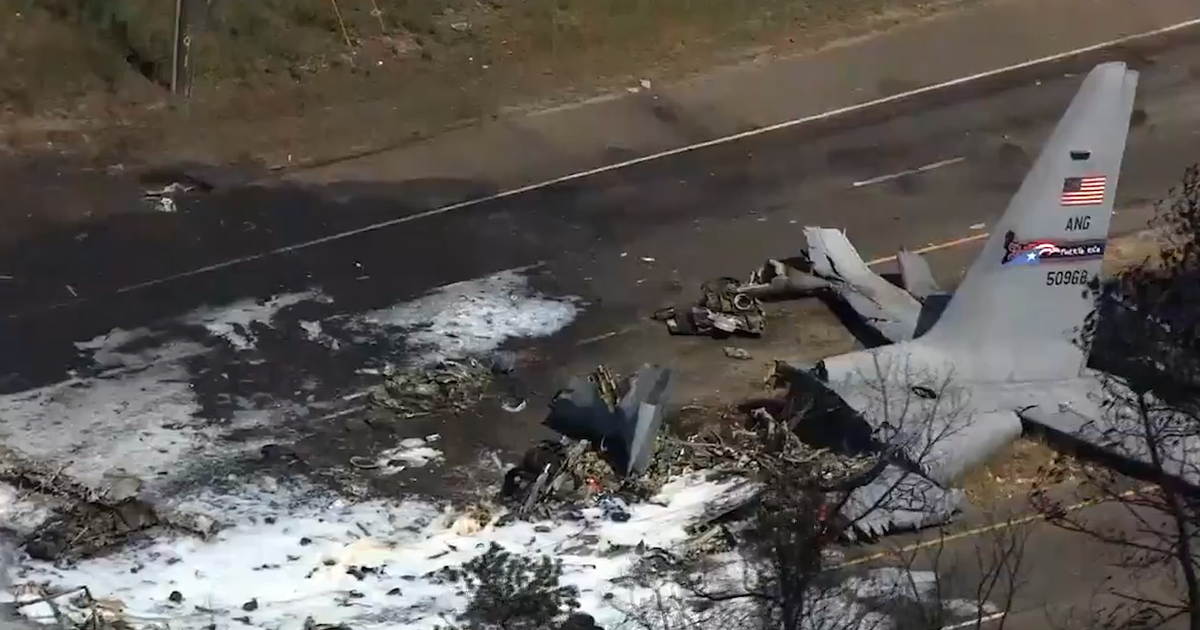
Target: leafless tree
pixel 971 578
pixel 785 574
pixel 1145 336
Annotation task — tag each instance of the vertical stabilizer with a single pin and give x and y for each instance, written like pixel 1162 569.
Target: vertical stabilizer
pixel 1017 313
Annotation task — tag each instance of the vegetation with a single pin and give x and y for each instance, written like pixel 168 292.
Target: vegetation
pixel 1145 332
pixel 513 592
pixel 417 64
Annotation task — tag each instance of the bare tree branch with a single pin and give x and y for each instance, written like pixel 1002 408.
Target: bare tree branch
pixel 1145 334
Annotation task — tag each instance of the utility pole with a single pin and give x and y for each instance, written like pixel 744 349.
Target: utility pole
pixel 181 55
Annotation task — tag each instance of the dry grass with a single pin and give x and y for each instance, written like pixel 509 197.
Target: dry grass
pixel 419 65
pixel 1026 465
pixel 1132 249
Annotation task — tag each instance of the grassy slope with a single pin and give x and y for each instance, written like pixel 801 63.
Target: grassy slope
pixel 288 70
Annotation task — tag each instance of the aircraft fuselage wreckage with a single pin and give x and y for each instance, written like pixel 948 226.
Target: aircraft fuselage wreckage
pixel 962 371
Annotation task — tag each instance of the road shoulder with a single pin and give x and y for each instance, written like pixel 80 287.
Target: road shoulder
pixel 523 148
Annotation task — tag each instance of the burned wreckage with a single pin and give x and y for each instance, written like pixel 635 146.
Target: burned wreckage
pixel 954 377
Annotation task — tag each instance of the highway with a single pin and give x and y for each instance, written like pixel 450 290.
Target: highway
pixel 699 213
pixel 1056 578
pixel 624 242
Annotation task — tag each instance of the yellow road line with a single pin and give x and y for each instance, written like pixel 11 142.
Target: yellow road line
pixel 872 263
pixel 978 531
pixel 958 242
pixel 933 248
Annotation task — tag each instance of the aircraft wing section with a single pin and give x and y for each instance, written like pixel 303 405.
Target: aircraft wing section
pixel 882 305
pixel 916 275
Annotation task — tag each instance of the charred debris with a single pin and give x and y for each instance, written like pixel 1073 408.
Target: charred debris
pixel 875 308
pixel 622 439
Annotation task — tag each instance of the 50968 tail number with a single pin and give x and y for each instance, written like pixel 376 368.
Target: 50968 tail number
pixel 1072 277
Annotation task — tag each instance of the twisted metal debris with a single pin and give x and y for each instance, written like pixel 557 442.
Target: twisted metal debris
pixel 721 310
pixel 448 386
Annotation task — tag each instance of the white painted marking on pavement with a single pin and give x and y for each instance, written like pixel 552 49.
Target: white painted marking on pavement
pixel 631 162
pixel 911 171
pixel 974 623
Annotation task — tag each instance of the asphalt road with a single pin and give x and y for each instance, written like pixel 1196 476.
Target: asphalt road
pixel 715 211
pixel 624 241
pixel 1043 574
pixel 700 213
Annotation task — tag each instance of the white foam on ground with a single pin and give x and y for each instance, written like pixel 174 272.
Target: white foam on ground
pixel 140 424
pixel 307 560
pixel 235 322
pixel 475 317
pixel 22 512
pixel 297 566
pixel 139 415
pixel 409 453
pixel 313 331
pixel 114 350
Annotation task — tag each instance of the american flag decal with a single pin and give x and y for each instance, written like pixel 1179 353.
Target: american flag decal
pixel 1083 191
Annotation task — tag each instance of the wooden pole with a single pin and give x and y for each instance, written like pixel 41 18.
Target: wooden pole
pixel 181 54
pixel 175 48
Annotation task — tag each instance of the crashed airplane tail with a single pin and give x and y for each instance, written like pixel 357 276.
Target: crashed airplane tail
pixel 889 309
pixel 1018 311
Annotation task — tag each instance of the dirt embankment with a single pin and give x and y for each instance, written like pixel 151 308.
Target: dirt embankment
pixel 316 78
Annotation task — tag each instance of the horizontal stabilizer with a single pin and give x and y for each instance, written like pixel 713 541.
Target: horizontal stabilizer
pixel 1121 434
pixel 898 500
pixel 916 275
pixel 951 448
pixel 833 254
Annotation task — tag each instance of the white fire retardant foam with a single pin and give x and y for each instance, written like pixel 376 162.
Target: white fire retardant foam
pixel 138 414
pixel 295 554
